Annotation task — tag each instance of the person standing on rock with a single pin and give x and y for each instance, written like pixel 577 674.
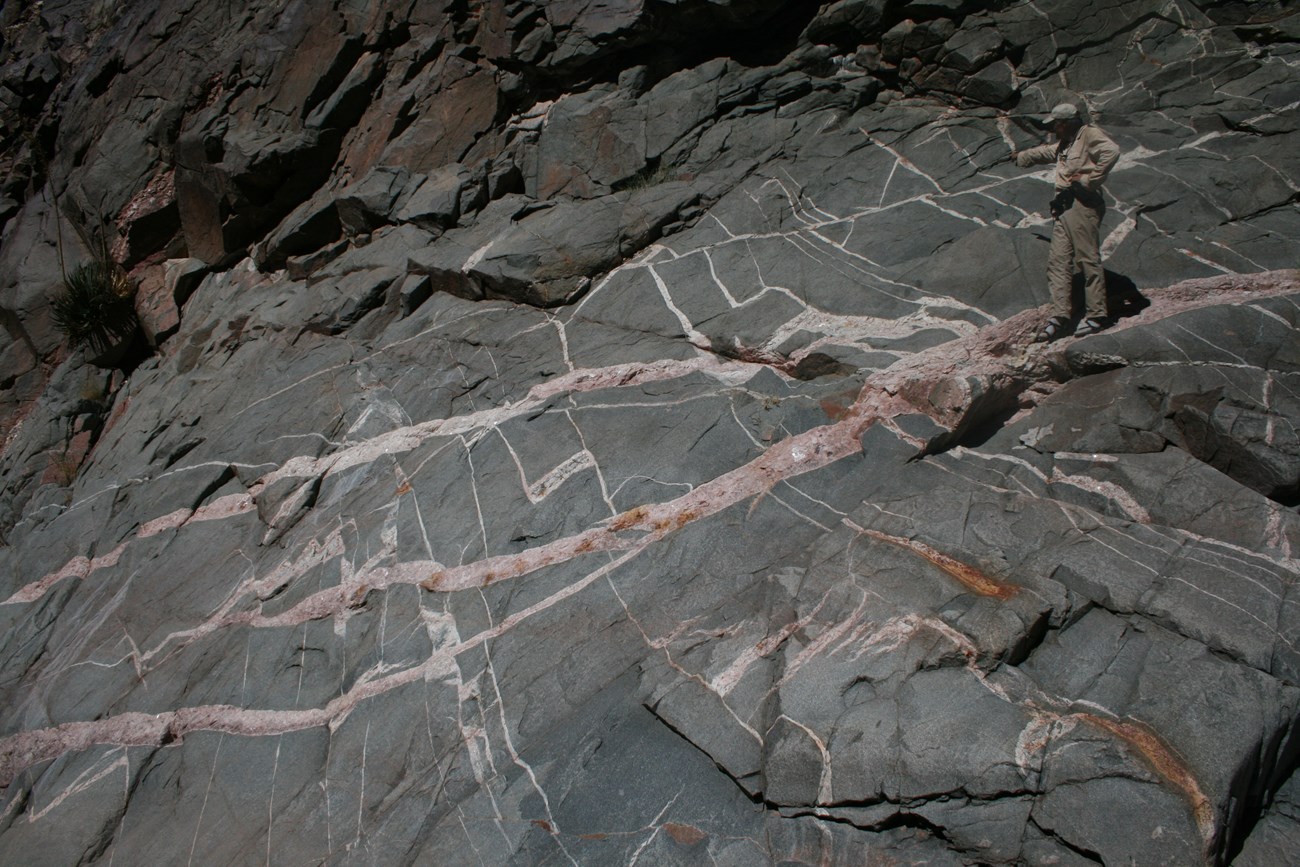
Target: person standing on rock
pixel 1084 156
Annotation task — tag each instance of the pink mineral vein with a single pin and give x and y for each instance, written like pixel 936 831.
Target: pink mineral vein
pixel 932 382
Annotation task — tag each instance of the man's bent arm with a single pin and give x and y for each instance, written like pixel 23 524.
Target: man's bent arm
pixel 1103 153
pixel 1036 156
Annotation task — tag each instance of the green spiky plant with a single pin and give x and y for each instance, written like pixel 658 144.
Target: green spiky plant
pixel 96 308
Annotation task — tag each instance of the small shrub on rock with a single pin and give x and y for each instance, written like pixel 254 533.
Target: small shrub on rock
pixel 63 469
pixel 96 309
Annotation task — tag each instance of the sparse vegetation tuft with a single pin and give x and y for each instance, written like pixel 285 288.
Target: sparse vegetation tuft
pixel 97 306
pixel 63 468
pixel 652 175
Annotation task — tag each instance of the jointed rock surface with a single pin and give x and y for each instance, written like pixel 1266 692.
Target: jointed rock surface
pixel 611 433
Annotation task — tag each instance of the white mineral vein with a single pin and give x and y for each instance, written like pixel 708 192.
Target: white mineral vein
pixel 626 535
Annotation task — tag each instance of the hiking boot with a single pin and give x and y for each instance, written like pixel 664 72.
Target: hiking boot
pixel 1053 329
pixel 1092 325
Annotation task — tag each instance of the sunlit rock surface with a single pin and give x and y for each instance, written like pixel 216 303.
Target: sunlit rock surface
pixel 611 433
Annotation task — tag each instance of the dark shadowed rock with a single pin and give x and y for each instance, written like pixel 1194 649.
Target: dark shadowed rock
pixel 366 205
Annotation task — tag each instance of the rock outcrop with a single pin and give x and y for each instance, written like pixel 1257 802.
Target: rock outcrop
pixel 610 433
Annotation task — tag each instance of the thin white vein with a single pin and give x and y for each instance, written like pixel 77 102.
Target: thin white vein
pixel 1125 501
pixel 1117 235
pixel 893 169
pixel 84 781
pixel 825 789
pixel 1209 263
pixel 810 498
pixel 654 824
pixel 730 677
pixel 518 761
pixel 595 464
pixel 649 480
pixel 126 797
pixel 469 838
pixel 735 304
pixel 82 567
pixel 1235 554
pixel 563 334
pixel 408 438
pixel 270 801
pixel 1200 338
pixel 863 330
pixel 473 487
pixel 794 200
pixel 207 792
pixel 803 196
pixel 688 328
pixel 1264 311
pixel 804 244
pixel 901 160
pixel 361 788
pixel 664 645
pixel 798 514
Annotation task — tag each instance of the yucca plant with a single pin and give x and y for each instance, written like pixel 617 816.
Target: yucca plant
pixel 96 308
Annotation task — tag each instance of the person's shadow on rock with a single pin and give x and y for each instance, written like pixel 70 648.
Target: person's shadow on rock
pixel 1122 296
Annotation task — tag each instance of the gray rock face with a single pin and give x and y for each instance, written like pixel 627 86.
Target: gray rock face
pixel 610 433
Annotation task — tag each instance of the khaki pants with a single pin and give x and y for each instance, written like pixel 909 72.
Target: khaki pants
pixel 1075 244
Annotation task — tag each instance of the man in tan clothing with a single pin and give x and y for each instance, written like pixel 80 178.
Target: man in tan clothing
pixel 1084 156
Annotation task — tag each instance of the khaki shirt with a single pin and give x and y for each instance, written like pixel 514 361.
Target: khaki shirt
pixel 1090 155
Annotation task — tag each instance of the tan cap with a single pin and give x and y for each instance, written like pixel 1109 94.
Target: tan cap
pixel 1066 111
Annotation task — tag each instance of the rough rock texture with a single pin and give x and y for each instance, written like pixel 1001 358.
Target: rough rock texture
pixel 609 433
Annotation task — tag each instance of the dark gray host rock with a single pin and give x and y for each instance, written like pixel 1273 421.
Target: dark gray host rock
pixel 610 433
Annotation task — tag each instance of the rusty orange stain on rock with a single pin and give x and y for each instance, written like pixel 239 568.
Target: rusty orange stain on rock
pixel 968 576
pixel 685 835
pixel 358 597
pixel 630 518
pixel 685 518
pixel 1167 763
pixel 834 410
pixel 669 523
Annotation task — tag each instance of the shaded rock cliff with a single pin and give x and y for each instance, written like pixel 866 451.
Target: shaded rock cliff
pixel 610 433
